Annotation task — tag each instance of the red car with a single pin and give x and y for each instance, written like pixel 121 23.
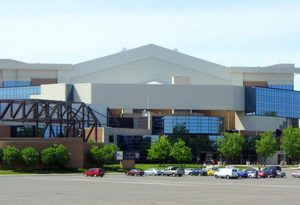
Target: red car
pixel 94 172
pixel 135 172
pixel 262 174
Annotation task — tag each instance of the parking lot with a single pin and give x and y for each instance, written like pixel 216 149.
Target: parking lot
pixel 120 189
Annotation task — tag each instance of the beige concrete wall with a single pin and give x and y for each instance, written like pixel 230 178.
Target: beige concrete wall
pixel 257 123
pixel 271 78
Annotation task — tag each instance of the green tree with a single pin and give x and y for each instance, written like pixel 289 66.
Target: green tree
pixel 55 156
pixel 160 150
pixel 180 152
pixel 103 155
pixel 107 153
pixel 11 155
pixel 290 143
pixel 1 154
pixel 95 154
pixel 266 146
pixel 30 156
pixel 230 146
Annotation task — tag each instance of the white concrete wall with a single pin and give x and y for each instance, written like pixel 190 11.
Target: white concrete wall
pixel 168 97
pixel 257 123
pixel 147 70
pixel 52 92
pixel 26 75
pixel 83 93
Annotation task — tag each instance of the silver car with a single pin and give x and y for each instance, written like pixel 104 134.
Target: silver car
pixel 296 174
pixel 153 172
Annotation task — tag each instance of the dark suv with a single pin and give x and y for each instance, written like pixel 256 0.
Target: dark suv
pixel 274 171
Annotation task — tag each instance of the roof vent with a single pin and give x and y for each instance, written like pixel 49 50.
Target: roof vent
pixel 124 49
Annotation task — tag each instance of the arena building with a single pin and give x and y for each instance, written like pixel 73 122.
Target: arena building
pixel 135 96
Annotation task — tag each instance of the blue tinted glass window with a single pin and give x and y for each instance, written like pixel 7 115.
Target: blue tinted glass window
pixel 193 124
pixel 19 92
pixel 283 87
pixel 272 102
pixel 7 84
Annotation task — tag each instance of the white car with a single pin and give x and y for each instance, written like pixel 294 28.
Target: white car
pixel 187 171
pixel 227 173
pixel 296 174
pixel 153 172
pixel 252 174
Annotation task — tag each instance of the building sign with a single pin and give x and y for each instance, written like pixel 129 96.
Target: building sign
pixel 119 155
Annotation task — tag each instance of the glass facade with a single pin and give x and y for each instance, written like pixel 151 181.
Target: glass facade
pixel 135 146
pixel 7 84
pixel 282 87
pixel 272 102
pixel 193 124
pixel 19 92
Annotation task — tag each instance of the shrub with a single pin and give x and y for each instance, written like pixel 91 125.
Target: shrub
pixel 57 156
pixel 11 155
pixel 30 156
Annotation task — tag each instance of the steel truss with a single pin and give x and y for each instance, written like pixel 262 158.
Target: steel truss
pixel 70 117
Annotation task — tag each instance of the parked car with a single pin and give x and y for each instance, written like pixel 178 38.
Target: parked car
pixel 252 173
pixel 296 174
pixel 227 173
pixel 153 172
pixel 211 172
pixel 187 171
pixel 242 173
pixel 263 173
pixel 135 172
pixel 198 172
pixel 173 171
pixel 94 172
pixel 274 171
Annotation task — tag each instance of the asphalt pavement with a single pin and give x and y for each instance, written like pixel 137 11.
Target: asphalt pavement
pixel 119 189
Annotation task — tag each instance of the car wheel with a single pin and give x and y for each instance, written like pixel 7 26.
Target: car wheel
pixel 227 177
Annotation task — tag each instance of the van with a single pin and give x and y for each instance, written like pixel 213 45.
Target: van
pixel 227 173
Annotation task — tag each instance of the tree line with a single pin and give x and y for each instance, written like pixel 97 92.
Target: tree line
pixel 230 146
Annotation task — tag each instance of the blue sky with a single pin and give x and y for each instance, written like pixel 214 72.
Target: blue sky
pixel 231 33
